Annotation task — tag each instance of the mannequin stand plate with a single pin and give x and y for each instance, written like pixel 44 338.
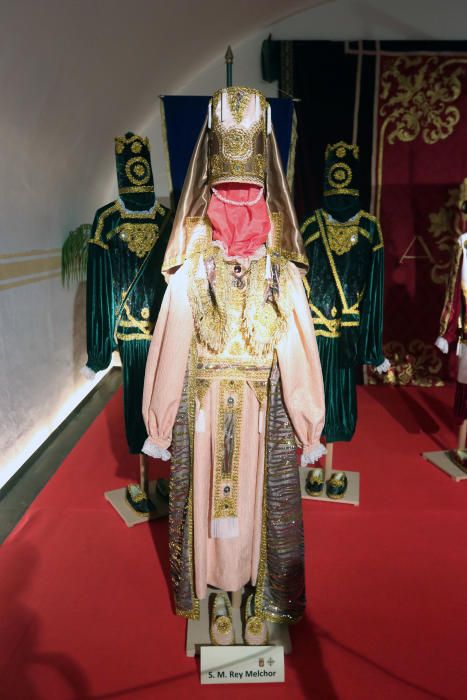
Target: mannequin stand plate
pixel 443 461
pixel 197 633
pixel 117 499
pixel 351 496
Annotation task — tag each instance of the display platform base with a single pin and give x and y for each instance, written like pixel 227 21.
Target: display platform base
pixel 351 496
pixel 130 517
pixel 197 633
pixel 443 461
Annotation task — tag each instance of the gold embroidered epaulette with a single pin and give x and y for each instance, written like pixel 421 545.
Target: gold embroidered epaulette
pixel 97 238
pixel 311 219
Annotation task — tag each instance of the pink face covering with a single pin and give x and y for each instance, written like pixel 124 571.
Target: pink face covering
pixel 242 229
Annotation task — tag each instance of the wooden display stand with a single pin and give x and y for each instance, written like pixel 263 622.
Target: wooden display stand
pixel 197 633
pixel 351 496
pixel 131 517
pixel 443 459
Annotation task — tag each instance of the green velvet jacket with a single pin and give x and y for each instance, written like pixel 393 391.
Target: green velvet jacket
pixel 125 286
pixel 345 284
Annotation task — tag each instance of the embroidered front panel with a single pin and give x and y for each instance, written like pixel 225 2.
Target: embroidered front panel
pixel 229 423
pixel 140 237
pixel 238 313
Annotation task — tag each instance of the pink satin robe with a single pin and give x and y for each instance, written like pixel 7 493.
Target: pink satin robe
pixel 228 564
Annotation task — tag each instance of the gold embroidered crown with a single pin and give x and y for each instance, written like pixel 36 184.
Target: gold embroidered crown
pixel 341 169
pixel 133 158
pixel 238 126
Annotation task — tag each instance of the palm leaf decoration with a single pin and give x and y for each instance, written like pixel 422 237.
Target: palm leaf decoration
pixel 75 255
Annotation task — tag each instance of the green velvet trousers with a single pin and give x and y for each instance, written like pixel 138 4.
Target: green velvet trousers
pixel 133 354
pixel 340 392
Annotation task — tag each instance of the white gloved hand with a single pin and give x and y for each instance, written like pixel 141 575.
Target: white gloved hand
pixel 442 344
pixel 383 367
pixel 87 372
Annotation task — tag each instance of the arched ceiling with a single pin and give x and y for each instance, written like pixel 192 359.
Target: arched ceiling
pixel 73 72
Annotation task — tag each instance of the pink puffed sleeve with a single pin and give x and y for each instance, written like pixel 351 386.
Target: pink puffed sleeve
pixel 166 365
pixel 301 377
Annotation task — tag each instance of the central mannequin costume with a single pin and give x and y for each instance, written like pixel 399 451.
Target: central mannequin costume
pixel 233 371
pixel 345 279
pixel 125 286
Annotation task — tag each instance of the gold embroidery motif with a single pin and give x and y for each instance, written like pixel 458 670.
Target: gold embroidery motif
pixel 307 222
pixel 340 175
pixel 416 98
pixel 194 613
pixel 138 170
pixel 140 237
pixel 137 143
pixel 131 190
pixel 229 423
pixel 342 148
pixel 99 243
pixel 342 237
pixel 277 219
pixel 443 229
pixel 101 221
pixel 418 364
pixel 247 324
pixel 417 95
pixel 238 98
pixel 145 327
pixel 237 150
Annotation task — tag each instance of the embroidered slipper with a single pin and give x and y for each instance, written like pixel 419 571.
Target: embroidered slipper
pixel 256 630
pixel 314 484
pixel 336 486
pixel 138 500
pixel 221 628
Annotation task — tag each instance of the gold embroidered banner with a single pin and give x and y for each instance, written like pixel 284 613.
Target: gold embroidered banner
pixel 418 162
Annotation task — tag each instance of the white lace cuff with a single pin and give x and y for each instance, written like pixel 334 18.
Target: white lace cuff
pixel 87 372
pixel 384 366
pixel 310 455
pixel 151 449
pixel 442 344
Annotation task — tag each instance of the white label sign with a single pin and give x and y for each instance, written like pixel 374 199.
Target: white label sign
pixel 242 664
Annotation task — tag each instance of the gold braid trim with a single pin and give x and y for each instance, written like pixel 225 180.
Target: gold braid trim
pixel 446 313
pixel 265 323
pixel 208 305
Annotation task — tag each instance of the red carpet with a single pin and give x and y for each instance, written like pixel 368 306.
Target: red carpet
pixel 85 610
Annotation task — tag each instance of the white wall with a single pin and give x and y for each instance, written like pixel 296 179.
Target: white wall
pixel 72 76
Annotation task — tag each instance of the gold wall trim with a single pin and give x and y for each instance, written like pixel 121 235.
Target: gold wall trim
pixel 28 280
pixel 29 267
pixel 22 268
pixel 30 253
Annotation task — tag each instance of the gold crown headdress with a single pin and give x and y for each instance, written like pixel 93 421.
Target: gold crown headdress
pixel 134 172
pixel 341 169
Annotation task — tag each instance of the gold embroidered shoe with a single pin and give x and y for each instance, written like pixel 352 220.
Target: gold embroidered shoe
pixel 336 486
pixel 256 631
pixel 138 500
pixel 314 484
pixel 221 628
pixel 459 457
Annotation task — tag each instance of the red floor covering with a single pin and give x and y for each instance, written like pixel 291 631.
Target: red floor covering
pixel 85 609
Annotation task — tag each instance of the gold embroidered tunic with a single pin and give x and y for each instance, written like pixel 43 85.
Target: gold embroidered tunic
pixel 229 348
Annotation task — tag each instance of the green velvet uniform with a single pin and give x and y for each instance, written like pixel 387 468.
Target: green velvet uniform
pixel 125 288
pixel 125 285
pixel 345 281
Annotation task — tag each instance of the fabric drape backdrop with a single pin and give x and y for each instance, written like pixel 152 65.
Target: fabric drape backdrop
pixel 405 104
